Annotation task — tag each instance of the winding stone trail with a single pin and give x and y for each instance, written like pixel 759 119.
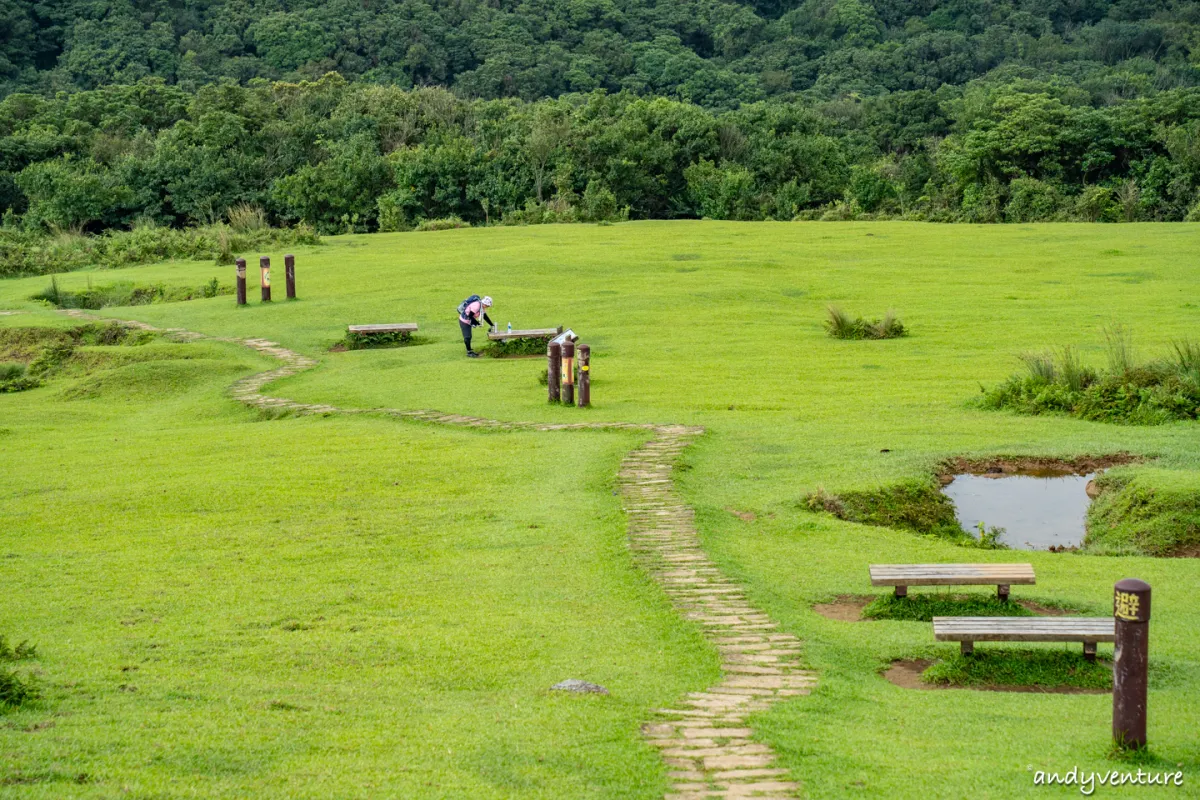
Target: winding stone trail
pixel 705 739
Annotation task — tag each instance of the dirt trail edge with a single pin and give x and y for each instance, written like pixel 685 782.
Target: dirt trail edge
pixel 705 739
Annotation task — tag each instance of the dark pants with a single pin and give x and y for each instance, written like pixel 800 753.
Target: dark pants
pixel 466 331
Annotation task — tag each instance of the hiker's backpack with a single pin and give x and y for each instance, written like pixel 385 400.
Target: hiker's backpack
pixel 462 307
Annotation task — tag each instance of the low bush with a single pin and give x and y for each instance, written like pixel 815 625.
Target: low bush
pixel 841 325
pixel 14 378
pixel 368 341
pixel 16 691
pixel 126 294
pixel 518 347
pixel 1128 391
pixel 24 252
pixel 444 224
pixel 1046 669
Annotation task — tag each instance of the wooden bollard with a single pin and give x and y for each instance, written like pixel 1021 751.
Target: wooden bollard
pixel 289 273
pixel 568 373
pixel 553 370
pixel 264 271
pixel 585 376
pixel 1131 661
pixel 241 281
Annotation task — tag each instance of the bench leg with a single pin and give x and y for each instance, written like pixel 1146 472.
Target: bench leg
pixel 901 591
pixel 1089 651
pixel 1002 592
pixel 966 648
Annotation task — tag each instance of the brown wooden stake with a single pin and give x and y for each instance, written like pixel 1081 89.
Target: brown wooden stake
pixel 289 272
pixel 1131 660
pixel 264 270
pixel 568 373
pixel 585 376
pixel 241 281
pixel 554 370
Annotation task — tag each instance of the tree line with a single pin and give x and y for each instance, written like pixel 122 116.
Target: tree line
pixel 343 156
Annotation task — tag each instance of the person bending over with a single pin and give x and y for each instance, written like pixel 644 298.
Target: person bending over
pixel 470 311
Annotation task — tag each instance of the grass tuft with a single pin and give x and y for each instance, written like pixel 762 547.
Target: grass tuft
pixel 924 607
pixel 1046 669
pixel 841 325
pixel 17 691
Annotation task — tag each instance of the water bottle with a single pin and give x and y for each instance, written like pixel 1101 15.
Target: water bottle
pixel 510 327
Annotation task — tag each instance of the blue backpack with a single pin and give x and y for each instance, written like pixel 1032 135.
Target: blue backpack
pixel 462 307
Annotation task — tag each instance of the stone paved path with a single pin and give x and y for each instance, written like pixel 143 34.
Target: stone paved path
pixel 705 739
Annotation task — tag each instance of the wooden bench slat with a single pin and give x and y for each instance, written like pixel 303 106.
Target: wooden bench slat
pixel 951 574
pixel 533 333
pixel 397 327
pixel 1023 629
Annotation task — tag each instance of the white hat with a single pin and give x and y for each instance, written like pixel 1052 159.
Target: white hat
pixel 487 302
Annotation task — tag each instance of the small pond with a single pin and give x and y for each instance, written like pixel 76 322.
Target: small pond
pixel 1037 511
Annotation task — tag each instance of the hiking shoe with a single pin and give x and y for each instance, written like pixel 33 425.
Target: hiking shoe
pixel 472 354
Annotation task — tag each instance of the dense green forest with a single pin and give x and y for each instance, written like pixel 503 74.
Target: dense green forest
pixel 382 114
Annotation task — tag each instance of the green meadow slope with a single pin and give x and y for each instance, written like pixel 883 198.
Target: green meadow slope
pixel 361 604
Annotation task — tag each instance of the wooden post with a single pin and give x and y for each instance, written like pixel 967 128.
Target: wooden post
pixel 241 281
pixel 554 370
pixel 568 373
pixel 289 272
pixel 585 376
pixel 1131 661
pixel 264 271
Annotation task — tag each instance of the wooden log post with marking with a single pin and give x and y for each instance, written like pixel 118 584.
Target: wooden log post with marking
pixel 1131 660
pixel 241 281
pixel 568 373
pixel 289 273
pixel 264 271
pixel 585 376
pixel 553 370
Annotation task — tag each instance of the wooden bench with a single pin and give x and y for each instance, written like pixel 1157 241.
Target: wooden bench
pixel 1001 576
pixel 535 333
pixel 395 327
pixel 968 630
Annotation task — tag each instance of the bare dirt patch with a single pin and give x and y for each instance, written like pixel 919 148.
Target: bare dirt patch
pixel 906 673
pixel 844 608
pixel 1036 466
pixel 744 516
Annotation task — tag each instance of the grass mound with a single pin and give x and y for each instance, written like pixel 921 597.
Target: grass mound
pixel 28 356
pixel 924 607
pixel 148 380
pixel 841 325
pixel 917 506
pixel 1129 391
pixel 1152 512
pixel 126 294
pixel 1044 669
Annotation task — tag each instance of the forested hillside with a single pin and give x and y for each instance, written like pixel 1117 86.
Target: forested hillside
pixel 381 114
pixel 717 53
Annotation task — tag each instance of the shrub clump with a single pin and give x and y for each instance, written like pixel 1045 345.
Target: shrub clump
pixel 508 348
pixel 126 294
pixel 1047 669
pixel 26 252
pixel 14 377
pixel 841 325
pixel 444 224
pixel 366 341
pixel 1147 512
pixel 16 690
pixel 1128 392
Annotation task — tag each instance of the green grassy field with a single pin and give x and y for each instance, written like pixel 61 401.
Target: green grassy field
pixel 359 607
